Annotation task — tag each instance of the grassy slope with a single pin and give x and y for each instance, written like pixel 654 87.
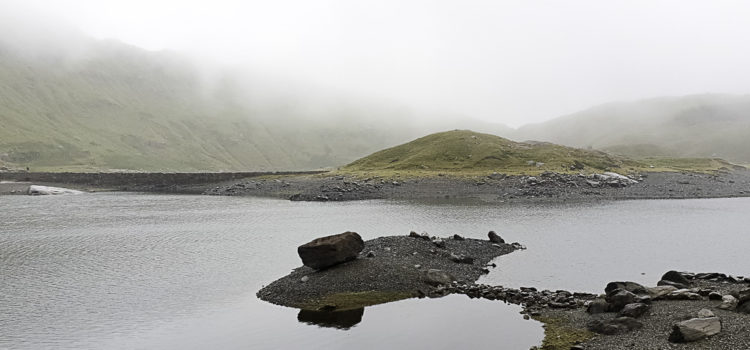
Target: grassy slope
pixel 697 126
pixel 467 152
pixel 124 108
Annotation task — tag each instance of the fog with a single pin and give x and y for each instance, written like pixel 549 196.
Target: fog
pixel 511 62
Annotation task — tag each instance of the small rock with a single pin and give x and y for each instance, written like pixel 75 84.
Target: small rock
pixel 370 254
pixel 417 266
pixel 495 238
pixel 617 325
pixel 634 310
pixel 439 242
pixel 714 296
pixel 304 279
pixel 683 294
pixel 659 292
pixel 728 302
pixel 705 313
pixel 597 306
pixel 458 237
pixel 744 307
pixel 695 329
pixel 461 259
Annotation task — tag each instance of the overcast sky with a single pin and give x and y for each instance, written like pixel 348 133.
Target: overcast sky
pixel 513 62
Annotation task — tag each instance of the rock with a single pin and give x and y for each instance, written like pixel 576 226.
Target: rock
pixel 683 294
pixel 714 296
pixel 628 286
pixel 659 292
pixel 743 295
pixel 705 313
pixel 458 237
pixel 462 259
pixel 439 242
pixel 36 190
pixel 634 310
pixel 676 277
pixel 744 308
pixel 617 325
pixel 728 302
pixel 673 284
pixel 495 238
pixel 304 279
pixel 328 251
pixel 370 254
pixel 695 329
pixel 413 234
pixel 597 306
pixel 437 277
pixel 620 298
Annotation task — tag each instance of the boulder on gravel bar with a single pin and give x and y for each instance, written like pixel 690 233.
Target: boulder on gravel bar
pixel 612 326
pixel 628 286
pixel 634 310
pixel 695 329
pixel 328 251
pixel 495 238
pixel 437 277
pixel 675 277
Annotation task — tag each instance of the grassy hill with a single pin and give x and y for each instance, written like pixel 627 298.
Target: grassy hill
pixel 698 126
pixel 468 152
pixel 120 107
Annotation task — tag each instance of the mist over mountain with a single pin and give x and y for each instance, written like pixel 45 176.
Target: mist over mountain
pixel 71 102
pixel 709 125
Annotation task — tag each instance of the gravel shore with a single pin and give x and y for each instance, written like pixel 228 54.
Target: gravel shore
pixel 492 188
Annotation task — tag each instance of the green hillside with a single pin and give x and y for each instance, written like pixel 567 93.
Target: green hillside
pixel 463 151
pixel 119 107
pixel 702 126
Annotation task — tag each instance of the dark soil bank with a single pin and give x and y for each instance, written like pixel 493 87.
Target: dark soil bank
pixel 494 188
pixel 395 267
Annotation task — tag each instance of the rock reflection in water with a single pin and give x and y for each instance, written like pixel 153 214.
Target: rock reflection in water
pixel 332 319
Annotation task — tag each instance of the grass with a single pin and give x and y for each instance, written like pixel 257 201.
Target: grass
pixel 467 154
pixel 353 300
pixel 560 336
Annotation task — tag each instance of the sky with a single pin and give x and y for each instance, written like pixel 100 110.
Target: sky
pixel 512 62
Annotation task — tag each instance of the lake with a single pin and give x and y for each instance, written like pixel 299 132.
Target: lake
pixel 125 271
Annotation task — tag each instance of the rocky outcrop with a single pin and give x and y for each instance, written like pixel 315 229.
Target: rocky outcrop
pixel 328 251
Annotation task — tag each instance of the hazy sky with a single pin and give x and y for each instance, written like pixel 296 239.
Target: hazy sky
pixel 507 61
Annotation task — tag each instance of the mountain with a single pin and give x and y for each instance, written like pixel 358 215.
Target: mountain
pixel 74 103
pixel 688 126
pixel 464 150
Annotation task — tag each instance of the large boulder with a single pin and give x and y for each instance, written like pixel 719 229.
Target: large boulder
pixel 695 329
pixel 628 286
pixel 634 310
pixel 675 277
pixel 328 251
pixel 619 298
pixel 495 238
pixel 728 302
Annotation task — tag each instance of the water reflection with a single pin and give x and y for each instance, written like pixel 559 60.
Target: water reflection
pixel 344 319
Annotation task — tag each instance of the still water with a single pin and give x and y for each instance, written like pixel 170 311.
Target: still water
pixel 132 271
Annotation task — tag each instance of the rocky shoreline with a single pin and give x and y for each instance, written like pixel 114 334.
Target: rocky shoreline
pixel 496 188
pixel 684 310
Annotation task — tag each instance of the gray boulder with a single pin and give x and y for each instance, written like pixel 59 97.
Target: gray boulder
pixel 620 298
pixel 597 306
pixel 634 310
pixel 437 277
pixel 495 238
pixel 628 286
pixel 676 277
pixel 695 329
pixel 673 284
pixel 328 251
pixel 744 307
pixel 659 292
pixel 728 302
pixel 683 294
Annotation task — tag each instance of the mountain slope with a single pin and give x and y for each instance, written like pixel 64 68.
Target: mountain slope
pixel 463 150
pixel 689 126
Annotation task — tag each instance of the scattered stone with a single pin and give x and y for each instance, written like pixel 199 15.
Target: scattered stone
pixel 458 237
pixel 495 238
pixel 744 308
pixel 714 296
pixel 659 292
pixel 304 279
pixel 597 306
pixel 619 298
pixel 438 242
pixel 695 329
pixel 461 259
pixel 705 313
pixel 370 254
pixel 328 251
pixel 683 294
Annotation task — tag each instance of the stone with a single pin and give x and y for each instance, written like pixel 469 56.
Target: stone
pixel 461 259
pixel 705 313
pixel 304 279
pixel 437 277
pixel 370 254
pixel 620 298
pixel 695 329
pixel 613 326
pixel 36 190
pixel 632 287
pixel 728 302
pixel 659 292
pixel 673 284
pixel 438 242
pixel 458 237
pixel 413 234
pixel 328 251
pixel 683 294
pixel 714 296
pixel 597 306
pixel 634 310
pixel 744 307
pixel 743 295
pixel 495 238
pixel 676 277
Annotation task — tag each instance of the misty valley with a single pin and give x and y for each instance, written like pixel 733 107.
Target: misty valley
pixel 374 175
